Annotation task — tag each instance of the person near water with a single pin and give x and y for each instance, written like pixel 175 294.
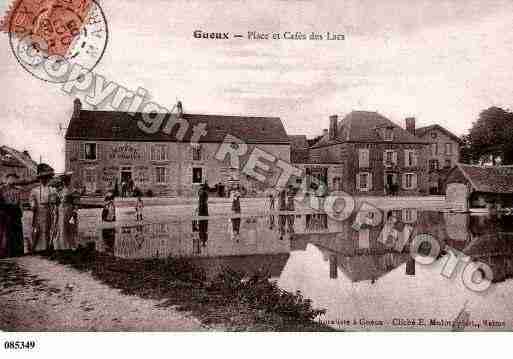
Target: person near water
pixel 68 214
pixel 282 218
pixel 291 207
pixel 123 188
pixel 43 199
pixel 11 233
pixel 203 211
pixel 139 209
pixel 235 199
pixel 108 217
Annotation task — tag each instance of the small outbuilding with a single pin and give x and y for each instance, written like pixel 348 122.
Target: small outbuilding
pixel 480 188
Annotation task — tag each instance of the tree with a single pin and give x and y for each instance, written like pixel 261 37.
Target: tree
pixel 490 138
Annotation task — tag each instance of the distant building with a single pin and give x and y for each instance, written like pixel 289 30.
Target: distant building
pixel 313 171
pixel 443 154
pixel 480 187
pixel 374 155
pixel 107 147
pixel 14 161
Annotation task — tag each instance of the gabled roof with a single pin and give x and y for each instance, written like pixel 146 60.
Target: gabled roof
pixel 14 158
pixel 364 126
pixel 422 131
pixel 122 126
pixel 496 179
pixel 298 149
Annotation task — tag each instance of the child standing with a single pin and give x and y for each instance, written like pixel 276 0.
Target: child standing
pixel 139 209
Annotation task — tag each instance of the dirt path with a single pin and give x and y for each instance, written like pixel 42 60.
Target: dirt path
pixel 39 295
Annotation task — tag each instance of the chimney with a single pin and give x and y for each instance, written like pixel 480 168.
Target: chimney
pixel 325 132
pixel 333 127
pixel 77 106
pixel 179 109
pixel 410 125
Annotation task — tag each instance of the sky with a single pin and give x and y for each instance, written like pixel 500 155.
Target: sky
pixel 441 61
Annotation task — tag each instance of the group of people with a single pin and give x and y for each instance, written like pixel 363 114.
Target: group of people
pixel 54 214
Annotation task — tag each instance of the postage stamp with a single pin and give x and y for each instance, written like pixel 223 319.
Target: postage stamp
pixel 44 34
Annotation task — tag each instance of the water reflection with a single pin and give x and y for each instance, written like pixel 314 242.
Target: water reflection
pixel 353 268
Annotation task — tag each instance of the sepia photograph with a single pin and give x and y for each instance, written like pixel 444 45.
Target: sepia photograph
pixel 190 166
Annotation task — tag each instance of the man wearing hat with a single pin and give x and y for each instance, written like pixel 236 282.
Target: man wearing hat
pixel 43 199
pixel 11 233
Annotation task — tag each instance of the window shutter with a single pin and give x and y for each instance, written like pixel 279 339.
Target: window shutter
pixel 394 156
pixel 167 173
pixel 98 151
pixel 415 158
pixel 82 151
pixel 403 180
pixel 414 181
pixel 358 182
pixel 369 183
pixel 406 157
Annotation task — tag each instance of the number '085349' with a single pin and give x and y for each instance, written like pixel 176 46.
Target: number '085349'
pixel 19 345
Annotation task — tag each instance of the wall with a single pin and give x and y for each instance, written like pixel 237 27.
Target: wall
pixel 113 156
pixel 347 155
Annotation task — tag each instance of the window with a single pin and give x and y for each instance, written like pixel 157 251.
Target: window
pixel 197 175
pixel 434 149
pixel 196 152
pixel 90 151
pixel 160 175
pixel 448 148
pixel 410 181
pixel 409 215
pixel 434 165
pixel 159 153
pixel 389 158
pixel 447 163
pixel 363 157
pixel 364 181
pixel 388 134
pixel 410 158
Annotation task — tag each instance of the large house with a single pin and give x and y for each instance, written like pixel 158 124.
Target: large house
pixel 374 155
pixel 443 154
pixel 107 147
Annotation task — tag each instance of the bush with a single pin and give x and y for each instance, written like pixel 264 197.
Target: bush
pixel 149 193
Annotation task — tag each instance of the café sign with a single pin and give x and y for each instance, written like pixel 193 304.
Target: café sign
pixel 125 152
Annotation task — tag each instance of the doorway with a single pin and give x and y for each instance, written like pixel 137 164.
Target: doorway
pixel 126 181
pixel 391 186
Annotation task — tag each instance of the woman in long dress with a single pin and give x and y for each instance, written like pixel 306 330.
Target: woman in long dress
pixel 68 215
pixel 42 201
pixel 235 199
pixel 11 203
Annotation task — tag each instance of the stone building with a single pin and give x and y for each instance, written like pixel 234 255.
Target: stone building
pixel 374 155
pixel 329 173
pixel 443 154
pixel 173 157
pixel 14 161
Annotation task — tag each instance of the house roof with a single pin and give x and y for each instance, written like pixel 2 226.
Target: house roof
pixel 298 149
pixel 123 126
pixel 363 126
pixel 14 158
pixel 498 179
pixel 422 131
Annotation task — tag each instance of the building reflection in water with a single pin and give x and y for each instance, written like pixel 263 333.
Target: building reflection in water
pixel 355 246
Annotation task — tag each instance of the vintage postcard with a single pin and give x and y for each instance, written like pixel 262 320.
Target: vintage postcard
pixel 207 166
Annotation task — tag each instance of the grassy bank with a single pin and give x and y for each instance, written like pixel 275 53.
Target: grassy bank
pixel 232 300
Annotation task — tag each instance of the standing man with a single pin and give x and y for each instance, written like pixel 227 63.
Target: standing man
pixel 203 211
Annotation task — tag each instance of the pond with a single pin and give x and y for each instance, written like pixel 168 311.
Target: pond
pixel 360 269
